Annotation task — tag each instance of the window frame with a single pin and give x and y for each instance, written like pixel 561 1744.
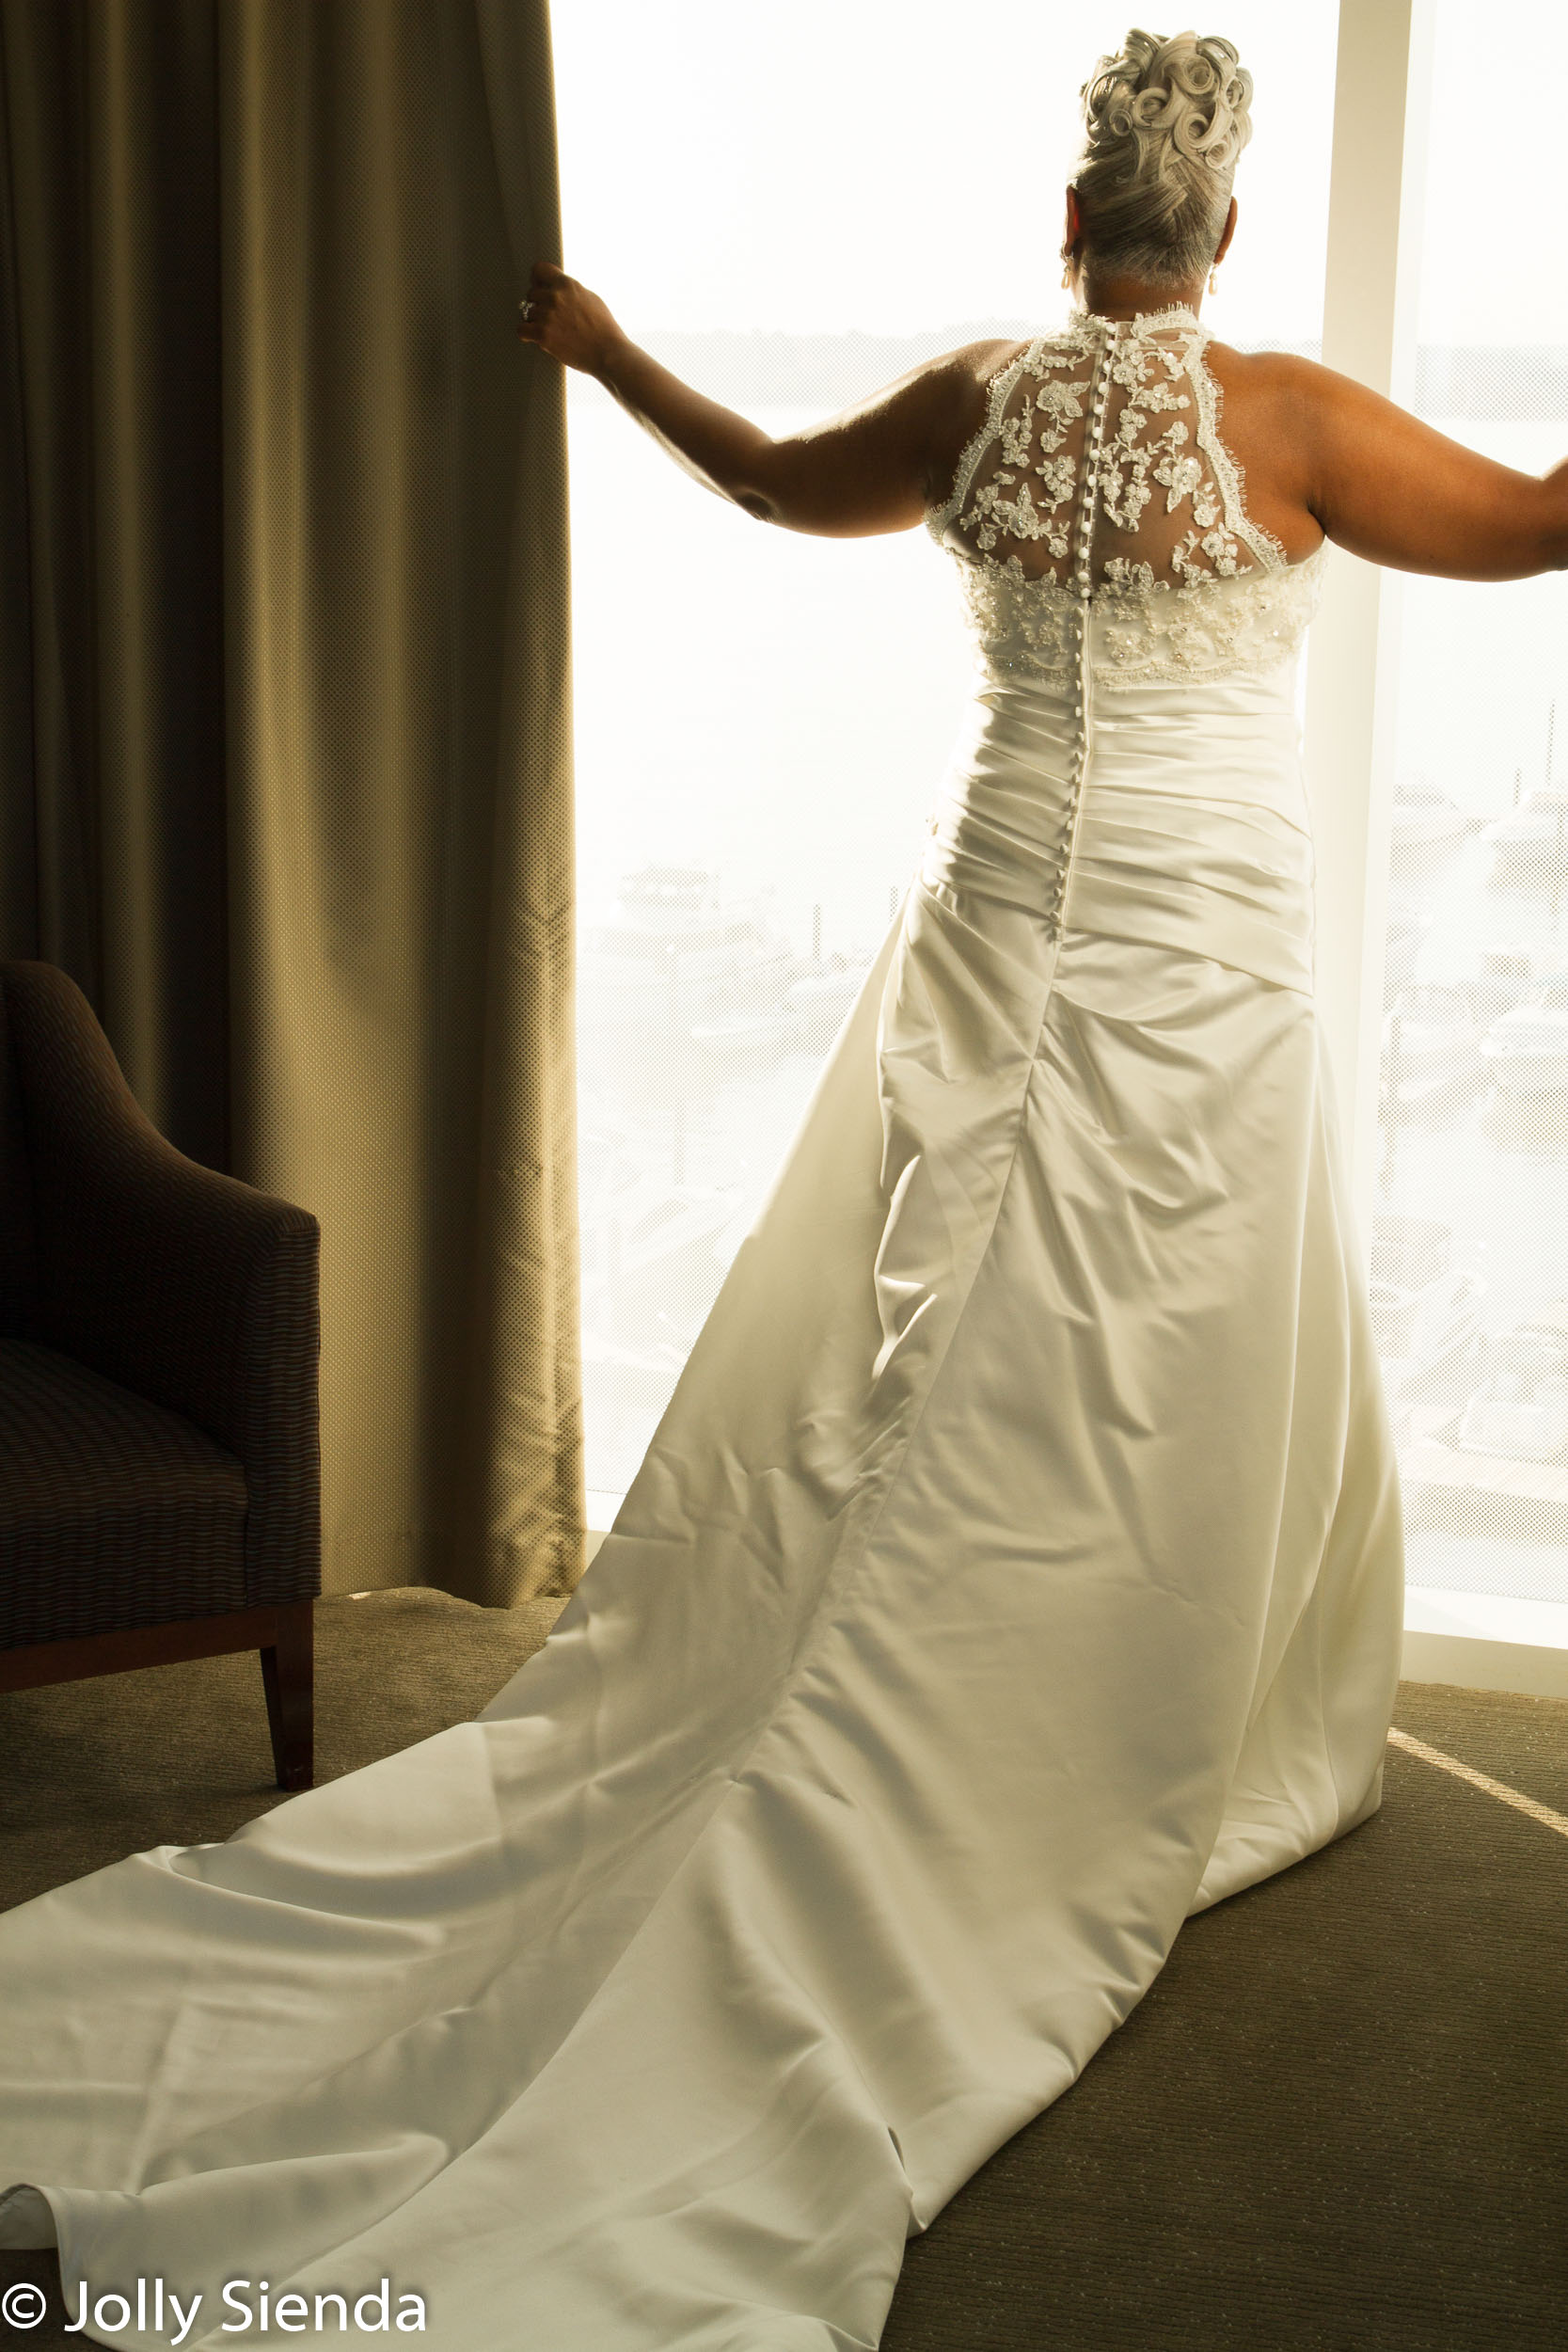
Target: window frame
pixel 1377 197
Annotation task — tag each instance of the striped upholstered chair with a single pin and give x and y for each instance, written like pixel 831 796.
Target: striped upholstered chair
pixel 159 1341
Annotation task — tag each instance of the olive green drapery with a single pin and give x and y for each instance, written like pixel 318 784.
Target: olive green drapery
pixel 284 752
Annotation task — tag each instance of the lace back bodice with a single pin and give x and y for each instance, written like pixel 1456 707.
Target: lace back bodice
pixel 1099 480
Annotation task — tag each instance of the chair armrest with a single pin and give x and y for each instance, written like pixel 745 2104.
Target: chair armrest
pixel 186 1286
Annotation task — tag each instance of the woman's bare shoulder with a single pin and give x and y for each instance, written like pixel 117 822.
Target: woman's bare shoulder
pixel 1270 403
pixel 1322 450
pixel 980 362
pixel 1280 388
pixel 959 386
pixel 966 375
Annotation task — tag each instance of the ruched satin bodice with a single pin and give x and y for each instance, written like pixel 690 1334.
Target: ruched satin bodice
pixel 1193 829
pixel 1130 767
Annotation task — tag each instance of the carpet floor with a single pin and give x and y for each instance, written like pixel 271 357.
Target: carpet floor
pixel 1338 2122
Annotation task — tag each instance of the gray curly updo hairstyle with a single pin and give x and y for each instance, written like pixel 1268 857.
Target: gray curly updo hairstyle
pixel 1164 123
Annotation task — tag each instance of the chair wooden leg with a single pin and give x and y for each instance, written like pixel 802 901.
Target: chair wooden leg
pixel 288 1672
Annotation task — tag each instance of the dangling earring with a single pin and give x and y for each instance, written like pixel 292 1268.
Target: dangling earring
pixel 1067 272
pixel 1213 278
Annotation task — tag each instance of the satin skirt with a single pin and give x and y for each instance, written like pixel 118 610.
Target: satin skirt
pixel 1017 1570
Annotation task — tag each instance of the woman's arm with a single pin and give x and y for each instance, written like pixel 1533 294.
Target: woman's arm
pixel 874 468
pixel 1392 489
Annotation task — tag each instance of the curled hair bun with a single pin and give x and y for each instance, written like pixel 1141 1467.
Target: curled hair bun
pixel 1164 123
pixel 1183 93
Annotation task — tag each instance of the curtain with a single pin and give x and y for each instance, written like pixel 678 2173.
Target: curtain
pixel 284 690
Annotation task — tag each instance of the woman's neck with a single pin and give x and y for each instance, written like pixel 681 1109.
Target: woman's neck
pixel 1133 297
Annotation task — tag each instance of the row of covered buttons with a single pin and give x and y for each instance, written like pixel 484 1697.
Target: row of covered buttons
pixel 1080 584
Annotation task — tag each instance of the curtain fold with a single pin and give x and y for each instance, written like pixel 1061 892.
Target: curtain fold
pixel 284 690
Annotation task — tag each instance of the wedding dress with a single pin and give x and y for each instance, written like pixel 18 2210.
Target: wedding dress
pixel 1017 1570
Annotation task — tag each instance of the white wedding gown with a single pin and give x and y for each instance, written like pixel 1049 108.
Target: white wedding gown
pixel 1017 1570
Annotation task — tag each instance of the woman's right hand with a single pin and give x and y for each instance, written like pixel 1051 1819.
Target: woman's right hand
pixel 563 318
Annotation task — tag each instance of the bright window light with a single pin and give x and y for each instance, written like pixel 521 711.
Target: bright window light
pixel 1469 1262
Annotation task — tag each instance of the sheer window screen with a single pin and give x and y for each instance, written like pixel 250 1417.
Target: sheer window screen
pixel 762 719
pixel 1469 1263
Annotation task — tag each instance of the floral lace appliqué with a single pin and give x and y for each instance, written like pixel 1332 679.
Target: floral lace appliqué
pixel 1041 425
pixel 1198 588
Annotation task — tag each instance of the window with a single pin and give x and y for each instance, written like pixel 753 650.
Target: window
pixel 790 208
pixel 1469 1259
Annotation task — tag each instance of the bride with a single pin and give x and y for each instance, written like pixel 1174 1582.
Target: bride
pixel 1018 1568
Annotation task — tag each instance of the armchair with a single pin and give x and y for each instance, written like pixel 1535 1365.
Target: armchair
pixel 159 1346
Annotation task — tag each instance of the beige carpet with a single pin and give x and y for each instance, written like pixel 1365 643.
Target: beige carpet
pixel 1338 2123
pixel 179 1755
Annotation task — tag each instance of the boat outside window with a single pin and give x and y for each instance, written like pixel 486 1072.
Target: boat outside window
pixel 1469 1261
pixel 762 719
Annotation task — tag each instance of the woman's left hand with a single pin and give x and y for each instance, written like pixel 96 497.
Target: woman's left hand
pixel 565 319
